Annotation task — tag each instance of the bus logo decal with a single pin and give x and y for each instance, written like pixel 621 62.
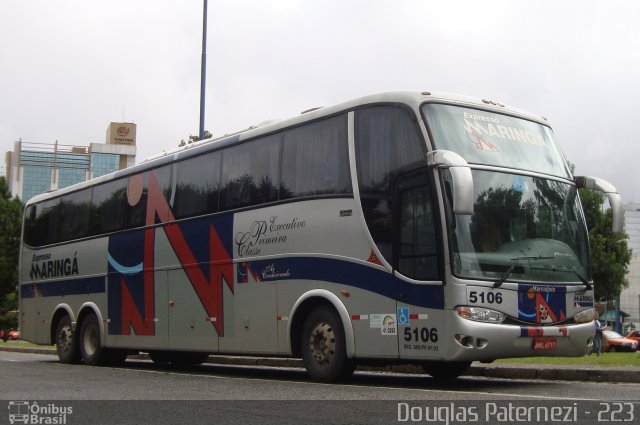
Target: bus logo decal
pixel 541 304
pixel 132 297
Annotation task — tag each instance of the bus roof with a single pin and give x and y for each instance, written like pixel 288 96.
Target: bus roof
pixel 412 99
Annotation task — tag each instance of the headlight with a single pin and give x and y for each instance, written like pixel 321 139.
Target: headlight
pixel 585 316
pixel 480 314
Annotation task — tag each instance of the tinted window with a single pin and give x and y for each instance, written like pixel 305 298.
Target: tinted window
pixel 75 215
pixel 315 160
pixel 162 176
pixel 250 173
pixel 417 256
pixel 43 219
pixel 197 185
pixel 109 200
pixel 387 142
pixel 30 225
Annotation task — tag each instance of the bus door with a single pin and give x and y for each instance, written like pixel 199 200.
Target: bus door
pixel 417 266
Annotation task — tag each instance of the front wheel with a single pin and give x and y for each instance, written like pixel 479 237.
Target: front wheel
pixel 66 342
pixel 323 346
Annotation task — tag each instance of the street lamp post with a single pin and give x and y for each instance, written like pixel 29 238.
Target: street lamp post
pixel 203 69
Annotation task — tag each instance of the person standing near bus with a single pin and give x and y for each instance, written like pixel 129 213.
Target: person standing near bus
pixel 597 339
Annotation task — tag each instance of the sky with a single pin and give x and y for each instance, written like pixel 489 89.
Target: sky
pixel 70 67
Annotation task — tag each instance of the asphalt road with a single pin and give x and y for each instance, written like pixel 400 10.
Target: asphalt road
pixel 142 392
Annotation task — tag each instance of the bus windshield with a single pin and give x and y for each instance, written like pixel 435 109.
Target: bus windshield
pixel 523 228
pixel 487 138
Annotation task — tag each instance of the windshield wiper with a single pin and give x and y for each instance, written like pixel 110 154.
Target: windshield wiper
pixel 507 273
pixel 569 270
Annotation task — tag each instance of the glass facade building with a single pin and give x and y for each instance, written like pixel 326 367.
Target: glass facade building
pixel 35 168
pixel 104 163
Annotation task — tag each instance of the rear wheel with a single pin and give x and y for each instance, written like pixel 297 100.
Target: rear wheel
pixel 445 370
pixel 91 349
pixel 323 346
pixel 90 345
pixel 612 349
pixel 66 342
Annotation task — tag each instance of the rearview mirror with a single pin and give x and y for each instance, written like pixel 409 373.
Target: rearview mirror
pixel 595 183
pixel 461 175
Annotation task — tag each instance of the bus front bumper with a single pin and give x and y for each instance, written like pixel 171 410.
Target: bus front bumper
pixel 485 342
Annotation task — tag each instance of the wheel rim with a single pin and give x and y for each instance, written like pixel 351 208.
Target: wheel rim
pixel 322 343
pixel 64 341
pixel 90 340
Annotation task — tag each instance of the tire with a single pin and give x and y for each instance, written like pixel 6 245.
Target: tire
pixel 612 349
pixel 66 341
pixel 323 346
pixel 91 349
pixel 443 371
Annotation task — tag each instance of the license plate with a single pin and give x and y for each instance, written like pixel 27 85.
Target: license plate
pixel 544 344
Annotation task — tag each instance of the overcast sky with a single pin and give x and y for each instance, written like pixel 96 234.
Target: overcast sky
pixel 69 67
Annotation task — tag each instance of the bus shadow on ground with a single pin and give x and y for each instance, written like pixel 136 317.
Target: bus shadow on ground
pixel 365 378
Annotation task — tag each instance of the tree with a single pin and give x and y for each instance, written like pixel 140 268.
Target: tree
pixel 10 229
pixel 194 138
pixel 610 255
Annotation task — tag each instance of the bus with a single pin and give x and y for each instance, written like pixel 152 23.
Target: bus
pixel 420 228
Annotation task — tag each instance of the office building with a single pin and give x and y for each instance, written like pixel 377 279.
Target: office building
pixel 34 168
pixel 630 296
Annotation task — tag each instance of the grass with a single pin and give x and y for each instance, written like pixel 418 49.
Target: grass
pixel 24 344
pixel 605 360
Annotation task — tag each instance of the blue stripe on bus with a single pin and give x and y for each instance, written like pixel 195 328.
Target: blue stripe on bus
pixel 88 285
pixel 124 269
pixel 286 269
pixel 350 274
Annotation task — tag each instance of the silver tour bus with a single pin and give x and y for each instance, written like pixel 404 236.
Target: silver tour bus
pixel 414 228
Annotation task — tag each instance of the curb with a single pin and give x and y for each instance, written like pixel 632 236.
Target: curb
pixel 504 371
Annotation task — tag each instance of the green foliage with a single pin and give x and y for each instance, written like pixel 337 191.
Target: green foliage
pixel 194 138
pixel 610 255
pixel 8 311
pixel 10 230
pixel 605 359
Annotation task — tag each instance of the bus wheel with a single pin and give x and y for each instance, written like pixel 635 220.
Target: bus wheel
pixel 93 353
pixel 445 370
pixel 66 342
pixel 324 348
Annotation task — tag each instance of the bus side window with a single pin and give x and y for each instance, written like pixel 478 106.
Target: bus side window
pixel 197 185
pixel 109 204
pixel 250 173
pixel 45 229
pixel 75 215
pixel 315 160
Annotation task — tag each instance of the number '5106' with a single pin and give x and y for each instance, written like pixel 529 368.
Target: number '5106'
pixel 485 297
